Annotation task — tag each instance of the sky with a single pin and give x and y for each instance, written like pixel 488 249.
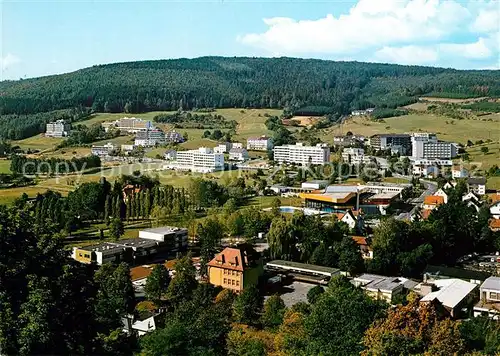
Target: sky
pixel 49 37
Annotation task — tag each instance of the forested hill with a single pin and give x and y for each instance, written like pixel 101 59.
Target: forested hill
pixel 240 82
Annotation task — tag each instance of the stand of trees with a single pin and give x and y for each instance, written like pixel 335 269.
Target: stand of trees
pixel 19 123
pixel 33 166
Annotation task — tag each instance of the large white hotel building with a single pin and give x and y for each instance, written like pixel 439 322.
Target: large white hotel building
pixel 300 154
pixel 426 146
pixel 203 160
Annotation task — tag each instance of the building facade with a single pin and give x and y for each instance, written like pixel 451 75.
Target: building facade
pixel 57 128
pixel 300 154
pixel 149 138
pixel 203 160
pixel 383 142
pixel 238 154
pixel 128 125
pixel 262 143
pixel 104 150
pixel 477 185
pixel 353 155
pixel 235 268
pixel 427 146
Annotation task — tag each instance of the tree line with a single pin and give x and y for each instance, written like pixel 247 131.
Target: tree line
pixel 32 166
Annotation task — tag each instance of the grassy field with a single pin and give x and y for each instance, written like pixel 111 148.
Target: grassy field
pixel 482 160
pixel 4 166
pixel 455 130
pixel 493 183
pixel 38 142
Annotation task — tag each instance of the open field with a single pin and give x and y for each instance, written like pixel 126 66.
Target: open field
pixel 306 121
pixel 482 160
pixel 38 142
pixel 4 166
pixel 456 130
pixel 450 100
pixel 493 183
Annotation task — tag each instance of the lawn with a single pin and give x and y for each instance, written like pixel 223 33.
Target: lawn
pixel 4 166
pixel 38 142
pixel 481 160
pixel 455 130
pixel 493 183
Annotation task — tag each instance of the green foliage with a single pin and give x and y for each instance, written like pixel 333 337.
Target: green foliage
pixel 184 282
pixel 210 234
pixel 481 334
pixel 339 318
pixel 116 228
pixel 274 310
pixel 314 294
pixel 157 283
pixel 247 305
pixel 34 166
pixel 383 113
pixel 19 123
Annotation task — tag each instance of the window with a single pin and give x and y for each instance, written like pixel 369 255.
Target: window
pixel 225 281
pixel 237 283
pixel 232 282
pixel 494 296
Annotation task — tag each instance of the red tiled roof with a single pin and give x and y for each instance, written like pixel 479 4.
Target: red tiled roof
pixel 140 272
pixel 434 200
pixel 495 224
pixel 360 240
pixel 494 197
pixel 229 258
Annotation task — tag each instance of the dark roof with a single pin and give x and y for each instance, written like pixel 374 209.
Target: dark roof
pixel 391 135
pixel 477 180
pixel 454 272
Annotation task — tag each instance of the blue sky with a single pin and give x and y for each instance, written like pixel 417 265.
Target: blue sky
pixel 40 38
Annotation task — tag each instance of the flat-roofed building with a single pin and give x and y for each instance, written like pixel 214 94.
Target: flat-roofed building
pixel 128 250
pixel 489 303
pixel 314 184
pixel 175 238
pixel 262 143
pixel 149 138
pixel 427 146
pixel 104 150
pixel 235 268
pixel 58 128
pixel 430 167
pixel 382 287
pixel 238 154
pixel 203 160
pixel 382 142
pixel 300 154
pixel 354 155
pixel 455 295
pixel 128 125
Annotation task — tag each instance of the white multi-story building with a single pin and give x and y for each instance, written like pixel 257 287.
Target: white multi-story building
pixel 57 128
pixel 262 143
pixel 238 154
pixel 477 185
pixel 300 154
pixel 426 146
pixel 459 172
pixel 430 167
pixel 355 156
pixel 224 147
pixel 203 160
pixel 150 138
pixel 104 150
pixel 128 124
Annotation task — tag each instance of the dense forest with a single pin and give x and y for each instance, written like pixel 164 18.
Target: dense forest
pixel 217 82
